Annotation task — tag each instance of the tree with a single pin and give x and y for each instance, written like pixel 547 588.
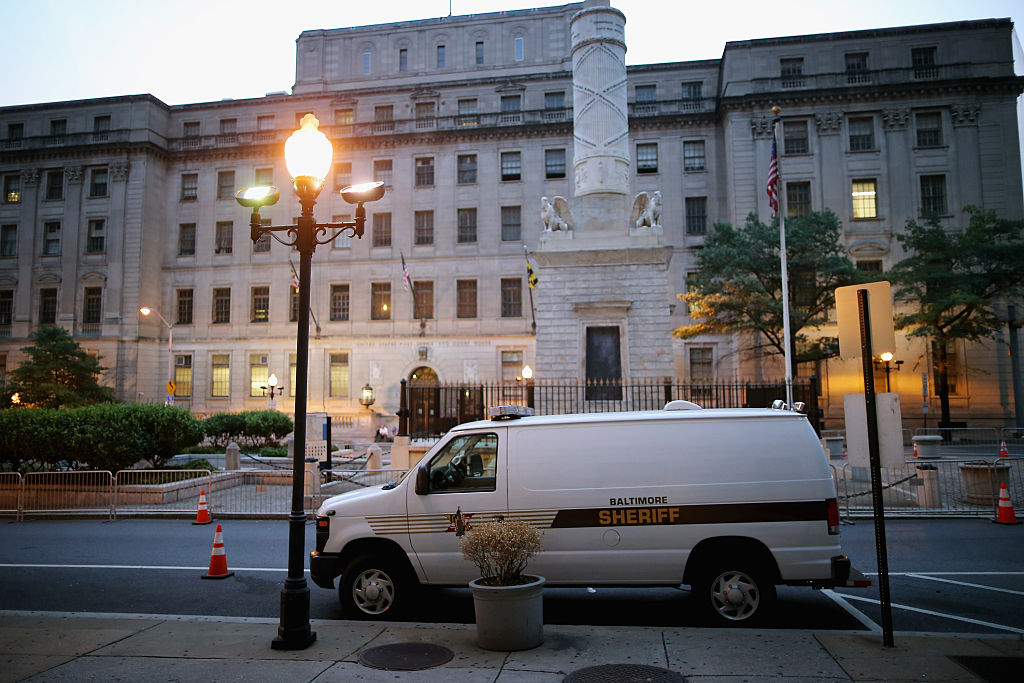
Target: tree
pixel 739 285
pixel 951 279
pixel 58 373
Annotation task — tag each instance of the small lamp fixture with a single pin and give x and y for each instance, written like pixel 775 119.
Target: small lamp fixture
pixel 527 372
pixel 366 395
pixel 886 357
pixel 308 155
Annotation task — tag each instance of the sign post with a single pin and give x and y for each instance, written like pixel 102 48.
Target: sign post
pixel 171 386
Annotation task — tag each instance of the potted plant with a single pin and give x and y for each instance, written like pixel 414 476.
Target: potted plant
pixel 508 603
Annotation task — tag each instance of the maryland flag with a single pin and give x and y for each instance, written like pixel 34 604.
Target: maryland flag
pixel 531 277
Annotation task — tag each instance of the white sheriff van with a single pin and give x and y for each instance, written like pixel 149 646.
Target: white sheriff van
pixel 728 501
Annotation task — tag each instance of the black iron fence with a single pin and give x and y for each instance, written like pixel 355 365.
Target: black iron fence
pixel 430 410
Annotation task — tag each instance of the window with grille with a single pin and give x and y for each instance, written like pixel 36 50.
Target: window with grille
pixel 98 182
pixel 382 171
pixel 702 364
pixel 467 226
pixel 265 123
pixel 511 297
pixel 187 239
pixel 693 156
pixel 260 308
pixel 342 175
pixel 511 365
pixel 870 265
pixel 9 240
pixel 189 187
pixel 344 117
pixel 511 165
pixel 54 185
pixel 696 215
pixel 6 307
pixel 383 118
pixel 423 299
pixel 380 301
pixel 865 199
pixel 647 157
pixel 646 99
pixel 95 241
pixel 228 126
pixel 291 374
pixel 58 127
pixel 554 163
pixel 425 113
pixel 183 305
pixel 183 376
pixel 293 307
pixel 224 237
pixel 929 129
pixel 339 302
pixel 857 67
pixel 423 227
pixel 341 241
pixel 933 195
pixel 262 243
pixel 222 305
pixel 603 364
pixel 794 137
pixel 51 238
pixel 259 372
pixel 47 306
pixel 511 223
pixel 339 375
pixel 798 199
pixel 190 129
pixel 465 297
pixel 15 131
pixel 554 106
pixel 923 61
pixel 220 375
pixel 792 72
pixel 263 176
pixel 12 189
pixel 466 169
pixel 424 171
pixel 381 230
pixel 510 108
pixel 692 95
pixel 467 112
pixel 92 302
pixel 226 185
pixel 862 134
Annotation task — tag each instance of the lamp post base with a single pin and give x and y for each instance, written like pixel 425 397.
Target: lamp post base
pixel 294 632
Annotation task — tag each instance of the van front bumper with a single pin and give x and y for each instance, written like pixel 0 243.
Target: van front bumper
pixel 324 567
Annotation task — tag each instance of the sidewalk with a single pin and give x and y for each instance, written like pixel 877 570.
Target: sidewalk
pixel 40 646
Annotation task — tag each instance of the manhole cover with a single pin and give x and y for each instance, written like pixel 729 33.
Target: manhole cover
pixel 405 656
pixel 624 673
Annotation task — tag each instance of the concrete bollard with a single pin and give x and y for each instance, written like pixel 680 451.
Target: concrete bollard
pixel 373 457
pixel 232 457
pixel 928 446
pixel 929 496
pixel 400 453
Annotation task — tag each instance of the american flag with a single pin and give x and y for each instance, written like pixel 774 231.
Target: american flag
pixel 773 180
pixel 295 278
pixel 405 274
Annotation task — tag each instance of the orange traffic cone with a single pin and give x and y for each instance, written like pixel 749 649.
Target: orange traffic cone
pixel 203 513
pixel 1004 452
pixel 218 560
pixel 844 451
pixel 1006 515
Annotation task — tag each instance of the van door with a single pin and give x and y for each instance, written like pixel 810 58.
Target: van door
pixel 466 486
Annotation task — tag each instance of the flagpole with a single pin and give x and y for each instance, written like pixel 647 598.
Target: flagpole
pixel 786 331
pixel 529 287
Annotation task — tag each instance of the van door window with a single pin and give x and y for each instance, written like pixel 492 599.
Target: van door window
pixel 466 463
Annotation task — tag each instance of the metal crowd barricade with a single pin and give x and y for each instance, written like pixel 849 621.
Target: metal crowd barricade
pixel 68 493
pixel 161 492
pixel 10 494
pixel 252 493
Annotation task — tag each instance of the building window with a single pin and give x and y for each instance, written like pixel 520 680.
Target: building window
pixel 189 187
pixel 403 59
pixel 367 63
pixel 425 114
pixel 95 240
pixel 647 157
pixel 792 72
pixel 259 371
pixel 466 233
pixel 339 375
pixel 9 240
pixel 693 156
pixel 183 305
pixel 98 182
pixel 929 129
pixel 510 108
pixel 12 189
pixel 423 299
pixel 220 375
pixel 511 165
pixel 15 131
pixel 511 365
pixel 263 176
pixel 479 52
pixel 92 303
pixel 6 309
pixel 222 304
pixel 424 171
pixel 857 67
pixel 423 227
pixel 341 241
pixel 183 376
pixel 262 243
pixel 383 118
pixel 554 163
pixel 465 298
pixel 440 56
pixel 702 364
pixel 190 129
pixel 646 99
pixel 291 374
pixel 54 185
pixel 224 237
pixel 342 175
pixel 187 239
pixel 603 364
pixel 226 185
pixel 466 169
pixel 798 199
pixel 870 265
pixel 380 301
pixel 47 306
pixel 794 137
pixel 382 171
pixel 381 230
pixel 58 128
pixel 228 126
pixel 923 61
pixel 265 123
pixel 339 302
pixel 696 215
pixel 344 117
pixel 865 198
pixel 511 297
pixel 933 195
pixel 511 223
pixel 259 310
pixel 518 49
pixel 468 112
pixel 293 308
pixel 693 95
pixel 862 134
pixel 51 238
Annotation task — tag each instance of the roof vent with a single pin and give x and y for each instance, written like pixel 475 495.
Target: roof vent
pixel 681 405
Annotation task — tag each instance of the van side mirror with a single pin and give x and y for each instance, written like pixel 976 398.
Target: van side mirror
pixel 422 480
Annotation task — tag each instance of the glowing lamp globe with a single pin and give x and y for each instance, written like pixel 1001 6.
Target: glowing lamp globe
pixel 307 152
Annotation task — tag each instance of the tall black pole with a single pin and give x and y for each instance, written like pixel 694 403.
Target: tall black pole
pixel 294 632
pixel 1015 372
pixel 876 465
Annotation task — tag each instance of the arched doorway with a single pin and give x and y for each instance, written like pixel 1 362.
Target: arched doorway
pixel 424 389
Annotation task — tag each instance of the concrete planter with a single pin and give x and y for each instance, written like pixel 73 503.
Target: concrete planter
pixel 509 617
pixel 981 481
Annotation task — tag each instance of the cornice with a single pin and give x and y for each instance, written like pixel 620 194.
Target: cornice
pixel 51 155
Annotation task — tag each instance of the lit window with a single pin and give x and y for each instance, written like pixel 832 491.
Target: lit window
pixel 260 309
pixel 183 376
pixel 12 189
pixel 865 200
pixel 339 375
pixel 220 375
pixel 259 372
pixel 380 300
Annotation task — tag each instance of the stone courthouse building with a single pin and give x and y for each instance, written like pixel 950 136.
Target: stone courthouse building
pixel 496 135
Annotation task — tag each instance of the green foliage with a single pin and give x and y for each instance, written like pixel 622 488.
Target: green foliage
pixel 250 429
pixel 198 464
pixel 106 436
pixel 58 373
pixel 739 285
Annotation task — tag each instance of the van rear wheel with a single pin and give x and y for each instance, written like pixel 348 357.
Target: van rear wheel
pixel 373 587
pixel 734 595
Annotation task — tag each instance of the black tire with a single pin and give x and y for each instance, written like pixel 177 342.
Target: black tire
pixel 734 593
pixel 375 587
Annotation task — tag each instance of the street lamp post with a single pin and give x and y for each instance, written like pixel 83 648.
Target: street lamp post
pixel 147 311
pixel 308 155
pixel 274 391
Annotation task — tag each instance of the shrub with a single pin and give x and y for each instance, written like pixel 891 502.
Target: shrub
pixel 501 549
pixel 250 429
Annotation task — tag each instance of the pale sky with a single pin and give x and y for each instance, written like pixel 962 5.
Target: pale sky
pixel 206 50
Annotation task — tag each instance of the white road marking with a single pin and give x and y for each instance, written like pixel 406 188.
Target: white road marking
pixel 977 622
pixel 136 566
pixel 853 611
pixel 965 583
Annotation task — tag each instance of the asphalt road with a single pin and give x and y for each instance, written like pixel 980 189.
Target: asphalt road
pixel 946 575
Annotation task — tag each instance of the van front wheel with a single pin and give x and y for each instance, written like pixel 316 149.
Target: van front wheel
pixel 734 596
pixel 372 587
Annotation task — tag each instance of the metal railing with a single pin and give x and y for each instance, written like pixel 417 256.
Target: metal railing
pixel 68 493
